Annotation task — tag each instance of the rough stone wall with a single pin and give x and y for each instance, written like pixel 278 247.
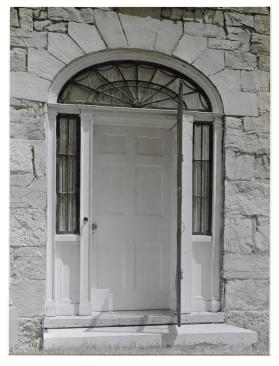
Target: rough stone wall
pixel 231 47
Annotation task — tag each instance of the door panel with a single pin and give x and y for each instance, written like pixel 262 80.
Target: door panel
pixel 131 197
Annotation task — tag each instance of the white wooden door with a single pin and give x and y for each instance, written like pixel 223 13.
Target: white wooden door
pixel 131 202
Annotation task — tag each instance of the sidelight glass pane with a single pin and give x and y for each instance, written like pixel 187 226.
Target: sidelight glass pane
pixel 67 174
pixel 202 177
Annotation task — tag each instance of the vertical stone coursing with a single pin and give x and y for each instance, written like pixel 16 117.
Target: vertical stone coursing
pixel 231 47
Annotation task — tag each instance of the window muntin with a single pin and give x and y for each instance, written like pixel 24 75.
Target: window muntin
pixel 202 177
pixel 67 174
pixel 133 84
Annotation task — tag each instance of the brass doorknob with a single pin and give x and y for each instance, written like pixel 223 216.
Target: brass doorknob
pixel 94 226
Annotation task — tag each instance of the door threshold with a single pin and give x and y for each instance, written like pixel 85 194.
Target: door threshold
pixel 130 318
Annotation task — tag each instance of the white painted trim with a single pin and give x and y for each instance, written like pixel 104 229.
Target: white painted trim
pixel 139 55
pixel 67 238
pixel 99 109
pixel 186 238
pixel 217 210
pixel 51 219
pixel 84 303
pixel 202 238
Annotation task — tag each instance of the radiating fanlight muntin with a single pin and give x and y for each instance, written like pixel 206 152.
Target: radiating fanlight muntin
pixel 133 84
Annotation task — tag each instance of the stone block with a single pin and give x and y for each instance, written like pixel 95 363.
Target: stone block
pixel 27 191
pixel 28 297
pixel 43 64
pixel 189 47
pixel 69 14
pixel 26 19
pixel 239 166
pixel 247 198
pixel 20 157
pixel 264 102
pixel 214 17
pixel 39 149
pixel 60 27
pixel 260 44
pixel 232 122
pixel 239 19
pixel 245 266
pixel 188 14
pixel 47 25
pixel 28 228
pixel 28 86
pixel 168 36
pixel 151 12
pixel 240 103
pixel 210 61
pixel 227 80
pixel 27 123
pixel 243 141
pixel 28 263
pixel 239 34
pixel 87 15
pixel 262 24
pixel 28 39
pixel 40 25
pixel 247 295
pixel 254 320
pixel 139 32
pixel 262 234
pixel 250 9
pixel 40 13
pixel 264 62
pixel 30 334
pixel 175 13
pixel 86 36
pixel 262 166
pixel 238 234
pixel 240 60
pixel 223 44
pixel 259 125
pixel 18 59
pixel 255 80
pixel 204 30
pixel 63 47
pixel 110 28
pixel 13 18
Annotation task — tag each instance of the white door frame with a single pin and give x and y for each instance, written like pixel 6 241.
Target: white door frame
pixel 87 114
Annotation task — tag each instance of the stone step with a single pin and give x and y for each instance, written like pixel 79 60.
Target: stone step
pixel 142 336
pixel 129 318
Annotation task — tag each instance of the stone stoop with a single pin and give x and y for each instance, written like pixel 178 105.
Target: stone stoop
pixel 143 336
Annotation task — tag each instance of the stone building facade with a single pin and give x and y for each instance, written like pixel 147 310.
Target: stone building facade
pixel 230 46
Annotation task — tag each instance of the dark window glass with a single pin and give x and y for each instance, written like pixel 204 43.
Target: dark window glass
pixel 202 177
pixel 67 174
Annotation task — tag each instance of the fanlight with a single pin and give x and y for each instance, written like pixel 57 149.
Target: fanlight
pixel 133 84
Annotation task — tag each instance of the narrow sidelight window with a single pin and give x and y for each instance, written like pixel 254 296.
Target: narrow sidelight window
pixel 67 174
pixel 202 177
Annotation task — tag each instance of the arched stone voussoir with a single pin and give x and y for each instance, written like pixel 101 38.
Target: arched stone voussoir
pixel 169 33
pixel 210 61
pixel 110 29
pixel 189 47
pixel 86 36
pixel 43 64
pixel 63 47
pixel 140 32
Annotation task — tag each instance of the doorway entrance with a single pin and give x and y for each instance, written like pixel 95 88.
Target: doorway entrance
pixel 133 191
